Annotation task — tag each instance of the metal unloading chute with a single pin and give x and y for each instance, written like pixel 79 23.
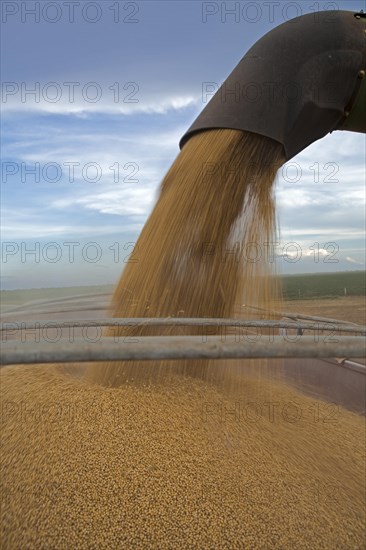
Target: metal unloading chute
pixel 299 82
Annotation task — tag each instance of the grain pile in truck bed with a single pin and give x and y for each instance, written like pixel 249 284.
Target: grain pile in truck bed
pixel 178 465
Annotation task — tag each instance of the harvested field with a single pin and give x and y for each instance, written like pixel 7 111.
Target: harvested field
pixel 351 308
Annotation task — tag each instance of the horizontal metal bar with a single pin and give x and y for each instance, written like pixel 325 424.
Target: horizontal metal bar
pixel 178 347
pixel 292 315
pixel 176 321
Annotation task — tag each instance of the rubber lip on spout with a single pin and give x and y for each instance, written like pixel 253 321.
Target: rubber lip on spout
pixel 356 117
pixel 299 82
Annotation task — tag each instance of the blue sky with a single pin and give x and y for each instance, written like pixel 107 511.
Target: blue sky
pixel 116 86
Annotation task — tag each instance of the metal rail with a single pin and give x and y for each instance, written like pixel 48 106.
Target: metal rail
pixel 15 326
pixel 178 347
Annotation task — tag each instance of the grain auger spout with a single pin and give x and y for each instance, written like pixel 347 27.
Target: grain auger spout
pixel 301 81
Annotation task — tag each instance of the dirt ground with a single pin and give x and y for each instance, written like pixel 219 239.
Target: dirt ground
pixel 351 308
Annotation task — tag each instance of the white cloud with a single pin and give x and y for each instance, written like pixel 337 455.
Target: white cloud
pixel 329 232
pixel 82 108
pixel 353 261
pixel 124 202
pixel 24 229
